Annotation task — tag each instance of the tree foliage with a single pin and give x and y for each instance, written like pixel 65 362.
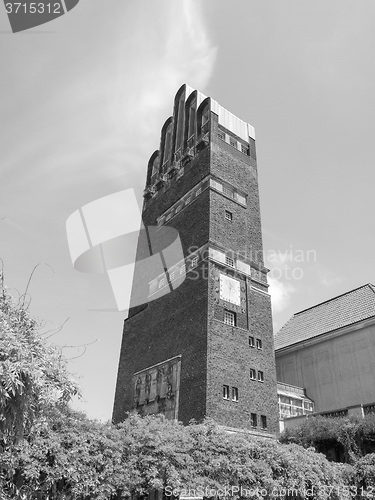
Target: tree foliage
pixel 33 374
pixel 73 457
pixel 50 452
pixel 355 436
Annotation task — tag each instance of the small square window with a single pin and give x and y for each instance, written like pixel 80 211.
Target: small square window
pixel 254 419
pixel 259 344
pixel 229 261
pixel 263 420
pixel 230 318
pixel 225 391
pixel 234 394
pixel 228 215
pixel 260 376
pixel 251 342
pixel 194 261
pixel 253 375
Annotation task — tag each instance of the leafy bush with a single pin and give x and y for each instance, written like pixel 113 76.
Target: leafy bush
pixel 353 435
pixel 33 374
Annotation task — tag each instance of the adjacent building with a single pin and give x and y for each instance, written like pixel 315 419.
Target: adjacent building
pixel 198 341
pixel 329 349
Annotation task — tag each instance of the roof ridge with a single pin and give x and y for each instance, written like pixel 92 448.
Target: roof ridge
pixel 372 287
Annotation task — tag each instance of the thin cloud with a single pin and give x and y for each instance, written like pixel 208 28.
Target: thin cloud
pixel 281 294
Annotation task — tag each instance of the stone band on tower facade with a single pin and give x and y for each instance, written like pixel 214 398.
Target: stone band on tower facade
pixel 205 348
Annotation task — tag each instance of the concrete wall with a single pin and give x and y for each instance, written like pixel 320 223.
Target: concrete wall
pixel 337 371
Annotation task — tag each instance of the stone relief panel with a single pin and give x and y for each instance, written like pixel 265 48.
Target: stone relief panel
pixel 156 389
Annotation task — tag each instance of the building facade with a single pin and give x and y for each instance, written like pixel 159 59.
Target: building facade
pixel 329 350
pixel 198 341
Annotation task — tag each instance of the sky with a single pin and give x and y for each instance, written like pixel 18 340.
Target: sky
pixel 82 102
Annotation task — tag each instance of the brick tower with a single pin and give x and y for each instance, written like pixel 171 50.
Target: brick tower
pixel 201 342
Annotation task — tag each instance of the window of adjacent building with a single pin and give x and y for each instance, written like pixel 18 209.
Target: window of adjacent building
pixel 251 342
pixel 228 215
pixel 225 391
pixel 229 318
pixel 259 344
pixel 254 419
pixel 253 375
pixel 232 142
pixel 260 376
pixel 308 406
pixel 263 420
pixel 234 394
pixel 229 261
pixel 291 407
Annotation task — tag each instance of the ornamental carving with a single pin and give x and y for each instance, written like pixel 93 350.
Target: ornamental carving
pixel 155 389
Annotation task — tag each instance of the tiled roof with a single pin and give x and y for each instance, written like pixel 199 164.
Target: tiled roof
pixel 346 309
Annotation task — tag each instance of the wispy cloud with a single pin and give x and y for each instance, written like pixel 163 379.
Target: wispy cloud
pixel 281 294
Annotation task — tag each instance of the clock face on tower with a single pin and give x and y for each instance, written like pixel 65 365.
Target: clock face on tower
pixel 230 289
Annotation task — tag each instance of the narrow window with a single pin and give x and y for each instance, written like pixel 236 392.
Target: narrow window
pixel 205 119
pixel 263 420
pixel 260 376
pixel 183 269
pixel 191 123
pixel 244 150
pixel 198 192
pixel 229 318
pixel 221 136
pixel 187 200
pixel 259 344
pixel 229 261
pixel 168 216
pixel 178 208
pixel 251 342
pixel 194 261
pixel 234 394
pixel 228 215
pixel 254 419
pixel 171 276
pixel 253 375
pixel 233 142
pixel 227 192
pixel 225 391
